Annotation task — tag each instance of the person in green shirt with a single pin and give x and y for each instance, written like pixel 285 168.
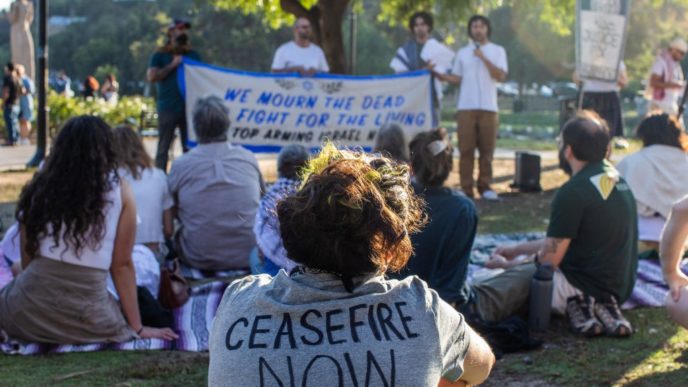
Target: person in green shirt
pixel 592 235
pixel 162 70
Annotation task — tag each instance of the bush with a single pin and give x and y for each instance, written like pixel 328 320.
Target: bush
pixel 127 110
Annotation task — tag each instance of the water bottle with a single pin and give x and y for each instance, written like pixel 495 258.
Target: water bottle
pixel 540 298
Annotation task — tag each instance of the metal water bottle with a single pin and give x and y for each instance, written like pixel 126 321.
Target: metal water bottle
pixel 540 298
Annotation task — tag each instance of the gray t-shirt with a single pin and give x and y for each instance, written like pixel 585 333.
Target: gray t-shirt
pixel 216 188
pixel 307 330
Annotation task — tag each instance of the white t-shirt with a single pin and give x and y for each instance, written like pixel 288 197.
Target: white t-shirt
pixel 152 198
pixel 478 89
pixel 291 54
pixel 595 86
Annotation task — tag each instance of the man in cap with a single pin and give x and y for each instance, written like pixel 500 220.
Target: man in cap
pixel 666 78
pixel 162 71
pixel 300 55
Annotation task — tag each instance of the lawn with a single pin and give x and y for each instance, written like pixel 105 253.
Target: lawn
pixel 656 355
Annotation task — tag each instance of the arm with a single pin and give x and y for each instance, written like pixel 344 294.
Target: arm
pixel 622 79
pixel 553 251
pixel 657 82
pixel 495 72
pixel 672 245
pixel 156 74
pixel 25 258
pixel 449 78
pixel 122 269
pixel 477 364
pixel 5 93
pixel 168 223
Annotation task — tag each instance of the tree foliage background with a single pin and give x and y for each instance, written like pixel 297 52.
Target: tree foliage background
pixel 119 36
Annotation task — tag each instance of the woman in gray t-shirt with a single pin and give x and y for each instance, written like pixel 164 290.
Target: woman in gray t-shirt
pixel 336 320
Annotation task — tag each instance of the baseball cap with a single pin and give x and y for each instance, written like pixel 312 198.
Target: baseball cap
pixel 679 44
pixel 176 23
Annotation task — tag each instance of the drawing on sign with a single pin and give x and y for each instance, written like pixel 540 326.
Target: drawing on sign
pixel 601 38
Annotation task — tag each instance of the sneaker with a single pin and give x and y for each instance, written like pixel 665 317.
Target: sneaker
pixel 621 143
pixel 580 311
pixel 615 324
pixel 490 195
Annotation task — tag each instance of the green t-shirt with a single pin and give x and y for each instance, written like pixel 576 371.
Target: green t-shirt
pixel 597 211
pixel 167 90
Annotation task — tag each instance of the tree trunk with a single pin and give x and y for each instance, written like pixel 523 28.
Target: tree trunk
pixel 326 19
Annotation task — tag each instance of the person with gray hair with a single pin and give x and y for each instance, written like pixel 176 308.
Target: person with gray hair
pixel 267 228
pixel 216 188
pixel 390 142
pixel 210 118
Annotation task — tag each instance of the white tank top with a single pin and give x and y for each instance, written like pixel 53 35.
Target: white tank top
pixel 97 259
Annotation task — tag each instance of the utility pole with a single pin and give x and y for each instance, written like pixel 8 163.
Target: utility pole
pixel 42 84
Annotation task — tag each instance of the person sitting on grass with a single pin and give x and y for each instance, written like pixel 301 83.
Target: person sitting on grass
pixel 671 251
pixel 656 173
pixel 336 319
pixel 442 249
pixel 149 184
pixel 391 142
pixel 591 238
pixel 216 188
pixel 289 163
pixel 77 224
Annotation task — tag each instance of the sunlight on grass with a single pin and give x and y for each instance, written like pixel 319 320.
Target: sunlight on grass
pixel 668 359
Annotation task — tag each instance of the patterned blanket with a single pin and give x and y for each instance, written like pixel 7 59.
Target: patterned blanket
pixel 193 320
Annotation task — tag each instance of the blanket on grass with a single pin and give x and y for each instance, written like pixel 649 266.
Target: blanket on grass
pixel 193 320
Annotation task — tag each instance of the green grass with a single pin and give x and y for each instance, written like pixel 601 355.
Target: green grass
pixel 657 354
pixel 105 368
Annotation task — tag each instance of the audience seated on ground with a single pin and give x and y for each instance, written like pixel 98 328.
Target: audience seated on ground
pixel 657 173
pixel 291 160
pixel 78 223
pixel 216 189
pixel 391 142
pixel 671 251
pixel 336 319
pixel 591 239
pixel 149 185
pixel 442 249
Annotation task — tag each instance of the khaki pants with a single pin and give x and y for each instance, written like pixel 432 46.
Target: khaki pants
pixel 476 129
pixel 507 294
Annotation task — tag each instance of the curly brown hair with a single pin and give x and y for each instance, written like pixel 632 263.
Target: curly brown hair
pixel 68 193
pixel 352 216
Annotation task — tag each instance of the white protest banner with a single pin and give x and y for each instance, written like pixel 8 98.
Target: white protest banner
pixel 600 37
pixel 269 111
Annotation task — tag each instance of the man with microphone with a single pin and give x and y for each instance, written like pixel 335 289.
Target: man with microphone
pixel 478 67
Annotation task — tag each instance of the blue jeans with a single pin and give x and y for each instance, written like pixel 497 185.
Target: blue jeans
pixel 11 114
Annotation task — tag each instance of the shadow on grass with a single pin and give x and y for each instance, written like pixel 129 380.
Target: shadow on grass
pixel 652 356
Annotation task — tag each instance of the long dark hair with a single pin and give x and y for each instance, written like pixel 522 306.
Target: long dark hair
pixel 68 193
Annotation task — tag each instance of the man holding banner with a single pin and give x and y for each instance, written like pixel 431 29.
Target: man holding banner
pixel 170 104
pixel 300 55
pixel 424 51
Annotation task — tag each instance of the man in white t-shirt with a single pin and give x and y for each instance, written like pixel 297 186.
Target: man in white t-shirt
pixel 666 78
pixel 300 55
pixel 477 68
